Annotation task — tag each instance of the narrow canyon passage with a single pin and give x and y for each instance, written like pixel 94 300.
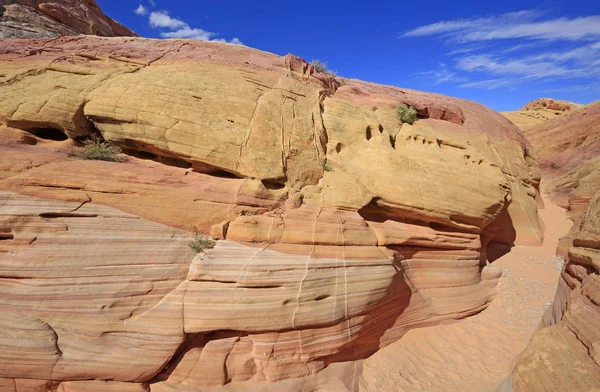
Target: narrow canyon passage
pixel 476 354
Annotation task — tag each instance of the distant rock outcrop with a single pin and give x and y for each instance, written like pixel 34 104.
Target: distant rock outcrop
pixel 568 149
pixel 52 18
pixel 339 228
pixel 539 111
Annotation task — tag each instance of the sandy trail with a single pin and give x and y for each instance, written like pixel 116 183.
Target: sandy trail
pixel 475 354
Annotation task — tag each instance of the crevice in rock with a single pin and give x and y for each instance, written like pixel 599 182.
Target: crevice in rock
pixel 273 185
pixel 43 131
pixel 393 141
pixel 65 215
pixel 6 236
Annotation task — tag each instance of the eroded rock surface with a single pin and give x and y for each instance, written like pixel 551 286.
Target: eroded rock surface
pixel 44 19
pixel 340 229
pixel 539 111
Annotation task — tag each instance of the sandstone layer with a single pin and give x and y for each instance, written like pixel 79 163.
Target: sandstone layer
pixel 539 111
pixel 44 19
pixel 340 229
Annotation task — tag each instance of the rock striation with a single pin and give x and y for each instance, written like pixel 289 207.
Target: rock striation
pixel 44 19
pixel 339 228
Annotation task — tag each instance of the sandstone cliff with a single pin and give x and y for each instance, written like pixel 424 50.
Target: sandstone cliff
pixel 44 18
pixel 339 227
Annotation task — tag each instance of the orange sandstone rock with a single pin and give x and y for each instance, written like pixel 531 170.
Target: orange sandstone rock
pixel 340 228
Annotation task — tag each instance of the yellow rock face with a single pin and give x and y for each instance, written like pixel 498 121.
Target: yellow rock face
pixel 340 228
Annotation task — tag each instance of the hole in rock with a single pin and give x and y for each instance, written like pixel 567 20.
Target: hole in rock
pixel 437 226
pixel 393 142
pixel 6 236
pixel 49 133
pixel 147 151
pixel 380 128
pixel 369 135
pixel 338 147
pixel 273 185
pixel 322 297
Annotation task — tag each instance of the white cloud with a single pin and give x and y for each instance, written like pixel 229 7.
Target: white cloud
pixel 188 32
pixel 522 24
pixel 178 28
pixel 162 19
pixel 141 10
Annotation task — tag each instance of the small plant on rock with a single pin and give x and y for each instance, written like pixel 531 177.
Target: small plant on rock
pixel 407 114
pixel 319 66
pixel 327 167
pixel 97 149
pixel 199 243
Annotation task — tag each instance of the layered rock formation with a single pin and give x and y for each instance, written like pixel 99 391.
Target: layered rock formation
pixel 539 111
pixel 44 18
pixel 340 228
pixel 562 354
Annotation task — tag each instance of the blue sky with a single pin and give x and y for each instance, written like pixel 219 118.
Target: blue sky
pixel 501 53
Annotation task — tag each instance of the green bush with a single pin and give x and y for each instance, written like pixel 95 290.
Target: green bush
pixel 319 66
pixel 199 243
pixel 407 114
pixel 97 149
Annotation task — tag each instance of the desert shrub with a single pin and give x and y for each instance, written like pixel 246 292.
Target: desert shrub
pixel 199 243
pixel 97 149
pixel 407 114
pixel 327 167
pixel 319 66
pixel 374 107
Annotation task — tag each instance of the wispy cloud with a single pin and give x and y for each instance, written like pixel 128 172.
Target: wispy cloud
pixel 522 24
pixel 441 75
pixel 575 88
pixel 485 63
pixel 177 28
pixel 491 84
pixel 507 50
